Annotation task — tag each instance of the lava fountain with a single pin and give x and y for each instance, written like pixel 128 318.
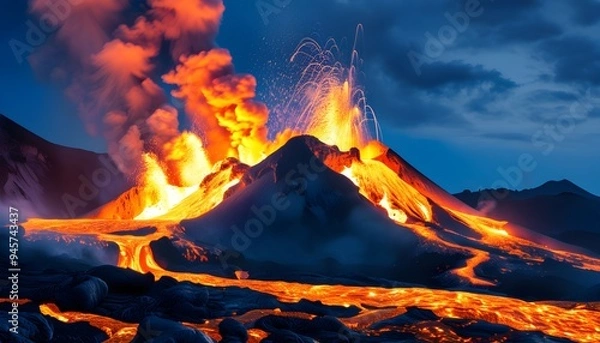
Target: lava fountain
pixel 328 102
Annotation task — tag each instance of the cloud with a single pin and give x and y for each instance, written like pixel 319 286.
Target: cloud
pixel 507 11
pixel 544 95
pixel 444 75
pixel 528 31
pixel 506 23
pixel 576 59
pixel 586 12
pixel 403 106
pixel 508 136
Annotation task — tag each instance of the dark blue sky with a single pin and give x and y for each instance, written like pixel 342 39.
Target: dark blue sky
pixel 519 81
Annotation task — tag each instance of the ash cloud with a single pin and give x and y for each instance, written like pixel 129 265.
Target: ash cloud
pixel 111 71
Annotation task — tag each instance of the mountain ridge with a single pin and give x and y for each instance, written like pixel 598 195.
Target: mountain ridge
pixel 37 176
pixel 549 188
pixel 558 209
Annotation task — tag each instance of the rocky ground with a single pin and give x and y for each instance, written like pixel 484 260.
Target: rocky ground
pixel 117 305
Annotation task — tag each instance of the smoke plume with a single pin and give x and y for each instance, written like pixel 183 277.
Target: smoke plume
pixel 109 69
pixel 222 104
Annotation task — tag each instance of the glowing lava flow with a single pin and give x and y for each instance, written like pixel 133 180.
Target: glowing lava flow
pixel 526 316
pixel 380 184
pixel 407 206
pixel 578 324
pixel 494 235
pixel 333 109
pixel 407 202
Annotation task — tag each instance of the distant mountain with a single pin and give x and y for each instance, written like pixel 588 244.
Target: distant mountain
pixel 559 209
pixel 43 179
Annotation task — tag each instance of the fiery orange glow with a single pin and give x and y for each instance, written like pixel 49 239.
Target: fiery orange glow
pixel 222 106
pixel 340 120
pixel 160 195
pixel 387 187
pixel 209 194
pixel 327 101
pixel 117 331
pixel 186 160
pixel 579 323
pixel 394 214
pixel 559 320
pixel 184 175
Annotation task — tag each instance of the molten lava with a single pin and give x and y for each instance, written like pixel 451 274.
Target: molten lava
pixel 577 324
pixel 160 195
pixel 192 173
pixel 398 198
pixel 327 100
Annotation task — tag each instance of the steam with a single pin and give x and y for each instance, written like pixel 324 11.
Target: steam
pixel 110 70
pixel 486 206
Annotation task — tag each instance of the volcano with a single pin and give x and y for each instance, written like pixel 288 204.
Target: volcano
pixel 311 243
pixel 215 217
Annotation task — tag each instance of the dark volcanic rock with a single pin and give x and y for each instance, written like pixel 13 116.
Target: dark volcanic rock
pixel 33 327
pixel 286 336
pixel 317 308
pixel 121 280
pixel 413 315
pixel 470 328
pixel 171 255
pixel 289 329
pixel 80 332
pixel 83 295
pixel 158 330
pixel 400 327
pixel 188 302
pixel 559 209
pixel 232 331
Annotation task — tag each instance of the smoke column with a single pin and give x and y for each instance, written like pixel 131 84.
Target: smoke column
pixel 109 69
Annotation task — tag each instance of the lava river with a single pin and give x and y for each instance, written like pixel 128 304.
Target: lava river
pixel 578 323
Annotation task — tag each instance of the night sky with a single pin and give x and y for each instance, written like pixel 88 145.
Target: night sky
pixel 464 90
